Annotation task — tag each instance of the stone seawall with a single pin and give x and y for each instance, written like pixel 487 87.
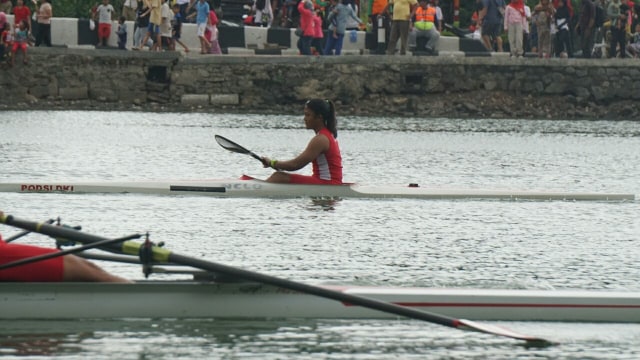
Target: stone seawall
pixel 455 87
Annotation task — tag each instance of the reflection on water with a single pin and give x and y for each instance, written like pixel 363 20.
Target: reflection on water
pixel 440 243
pixel 298 339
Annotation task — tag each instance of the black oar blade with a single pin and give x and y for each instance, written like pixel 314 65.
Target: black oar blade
pixel 500 331
pixel 230 145
pixel 235 147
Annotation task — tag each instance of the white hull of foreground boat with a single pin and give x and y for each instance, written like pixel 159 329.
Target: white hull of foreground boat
pixel 170 299
pixel 249 188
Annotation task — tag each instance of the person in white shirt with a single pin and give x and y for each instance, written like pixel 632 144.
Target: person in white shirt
pixel 105 14
pixel 165 25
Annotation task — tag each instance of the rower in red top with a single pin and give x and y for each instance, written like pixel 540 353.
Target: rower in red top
pixel 61 268
pixel 322 151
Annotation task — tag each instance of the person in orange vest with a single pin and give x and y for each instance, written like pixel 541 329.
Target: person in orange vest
pixel 423 25
pixel 378 17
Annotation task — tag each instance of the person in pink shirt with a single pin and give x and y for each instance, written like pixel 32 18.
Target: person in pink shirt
pixel 515 23
pixel 322 151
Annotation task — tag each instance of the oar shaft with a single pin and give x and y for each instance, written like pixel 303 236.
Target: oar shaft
pixel 315 290
pixel 23 233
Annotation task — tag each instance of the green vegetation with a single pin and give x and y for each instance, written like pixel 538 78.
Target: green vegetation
pixel 79 8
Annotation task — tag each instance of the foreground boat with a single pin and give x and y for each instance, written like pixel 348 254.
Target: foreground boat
pixel 249 187
pixel 194 299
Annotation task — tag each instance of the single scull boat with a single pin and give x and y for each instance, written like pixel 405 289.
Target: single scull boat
pixel 196 299
pixel 249 187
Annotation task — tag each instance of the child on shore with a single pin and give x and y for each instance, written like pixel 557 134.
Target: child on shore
pixel 104 14
pixel 176 29
pixel 5 40
pixel 20 39
pixel 122 33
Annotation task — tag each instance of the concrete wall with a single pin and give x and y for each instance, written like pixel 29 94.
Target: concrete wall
pixel 368 84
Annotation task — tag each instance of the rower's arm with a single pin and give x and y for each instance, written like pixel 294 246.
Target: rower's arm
pixel 317 146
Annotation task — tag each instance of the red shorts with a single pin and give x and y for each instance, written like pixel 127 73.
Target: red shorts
pixel 19 45
pixel 41 271
pixel 104 30
pixel 306 179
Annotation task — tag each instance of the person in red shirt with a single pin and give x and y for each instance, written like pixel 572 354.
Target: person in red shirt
pixel 21 12
pixel 61 268
pixel 322 151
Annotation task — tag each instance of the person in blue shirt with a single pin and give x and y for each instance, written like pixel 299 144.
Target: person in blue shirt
pixel 338 19
pixel 202 14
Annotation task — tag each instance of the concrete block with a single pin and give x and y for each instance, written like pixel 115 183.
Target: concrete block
pixel 74 93
pixel 195 99
pixel 225 99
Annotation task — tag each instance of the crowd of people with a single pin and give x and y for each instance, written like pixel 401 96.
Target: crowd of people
pixel 553 28
pixel 550 28
pixel 28 29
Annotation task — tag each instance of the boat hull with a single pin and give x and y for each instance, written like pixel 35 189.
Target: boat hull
pixel 177 299
pixel 253 188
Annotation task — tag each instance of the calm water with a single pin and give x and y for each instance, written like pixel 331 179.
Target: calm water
pixel 475 244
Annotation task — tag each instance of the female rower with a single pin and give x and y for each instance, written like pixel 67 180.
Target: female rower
pixel 62 268
pixel 322 151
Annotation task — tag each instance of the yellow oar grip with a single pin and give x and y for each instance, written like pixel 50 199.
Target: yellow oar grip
pixel 133 248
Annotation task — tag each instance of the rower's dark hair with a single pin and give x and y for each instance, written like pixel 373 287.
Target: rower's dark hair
pixel 327 110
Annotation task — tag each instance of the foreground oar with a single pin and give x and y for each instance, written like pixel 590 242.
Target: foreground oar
pixel 163 255
pixel 23 233
pixel 232 146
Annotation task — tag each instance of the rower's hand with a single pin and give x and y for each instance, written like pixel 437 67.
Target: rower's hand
pixel 266 162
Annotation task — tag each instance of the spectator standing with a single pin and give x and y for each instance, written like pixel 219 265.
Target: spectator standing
pixel 305 8
pixel 515 22
pixel 21 12
pixel 165 25
pixel 618 19
pixel 105 13
pixel 379 19
pixel 45 13
pixel 402 10
pixel 202 16
pixel 141 25
pixel 338 26
pixel 563 36
pixel 544 13
pixel 586 27
pixel 176 28
pixel 490 21
pixel 155 19
pixel 122 33
pixel 129 8
pixel 212 33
